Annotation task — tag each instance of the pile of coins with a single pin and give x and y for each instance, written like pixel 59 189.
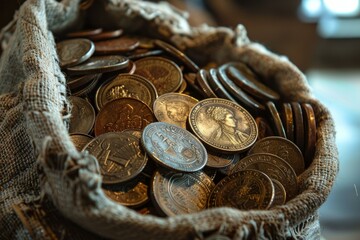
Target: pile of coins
pixel 172 138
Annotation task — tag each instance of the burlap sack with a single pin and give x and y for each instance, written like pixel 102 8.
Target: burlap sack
pixel 42 173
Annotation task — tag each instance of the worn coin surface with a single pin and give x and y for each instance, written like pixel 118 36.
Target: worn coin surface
pixel 245 190
pixel 80 140
pixel 82 116
pixel 126 85
pixel 174 147
pixel 121 114
pixel 282 148
pixel 288 120
pixel 74 51
pixel 264 127
pixel 173 108
pixel 223 125
pixel 116 46
pixel 202 80
pixel 87 88
pixel 310 132
pixel 177 193
pixel 275 119
pixel 163 73
pixel 299 125
pixel 80 81
pixel 279 194
pixel 119 155
pixel 273 166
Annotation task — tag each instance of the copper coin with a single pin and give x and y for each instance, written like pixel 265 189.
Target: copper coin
pixel 84 33
pixel 148 53
pixel 202 80
pixel 181 193
pixel 275 119
pixel 131 194
pixel 145 42
pixel 264 127
pixel 163 73
pixel 223 125
pixel 74 51
pixel 279 194
pixel 119 155
pixel 106 35
pixel 77 82
pixel 126 85
pixel 273 166
pixel 243 77
pixel 177 54
pixel 182 87
pixel 116 46
pixel 173 108
pixel 174 147
pixel 282 148
pixel 82 116
pixel 80 140
pixel 217 87
pixel 122 114
pixel 245 190
pixel 241 97
pixel 100 64
pixel 288 121
pixel 220 160
pixel 299 125
pixel 310 132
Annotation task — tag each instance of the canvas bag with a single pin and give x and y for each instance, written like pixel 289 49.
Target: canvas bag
pixel 41 169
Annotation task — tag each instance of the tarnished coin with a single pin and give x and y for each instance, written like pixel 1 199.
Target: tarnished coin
pixel 220 160
pixel 177 54
pixel 288 120
pixel 174 147
pixel 279 194
pixel 310 132
pixel 242 76
pixel 84 33
pixel 80 140
pixel 86 89
pixel 273 166
pixel 78 82
pixel 134 55
pixel 100 64
pixel 182 87
pixel 106 35
pixel 119 155
pixel 126 85
pixel 74 51
pixel 202 80
pixel 245 190
pixel 181 193
pixel 173 108
pixel 116 46
pixel 163 73
pixel 282 148
pixel 217 87
pixel 122 114
pixel 223 125
pixel 299 125
pixel 275 119
pixel 264 127
pixel 241 97
pixel 131 194
pixel 82 116
pixel 236 159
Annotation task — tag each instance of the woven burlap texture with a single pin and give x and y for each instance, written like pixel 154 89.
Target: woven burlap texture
pixel 38 159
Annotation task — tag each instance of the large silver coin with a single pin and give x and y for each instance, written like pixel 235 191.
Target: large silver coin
pixel 74 51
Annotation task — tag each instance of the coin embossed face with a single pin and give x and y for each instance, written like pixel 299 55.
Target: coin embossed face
pixel 82 116
pixel 74 51
pixel 223 125
pixel 174 147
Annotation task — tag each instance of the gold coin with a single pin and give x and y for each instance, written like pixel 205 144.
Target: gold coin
pixel 223 125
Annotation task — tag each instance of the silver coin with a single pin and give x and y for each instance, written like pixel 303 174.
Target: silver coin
pixel 82 116
pixel 74 51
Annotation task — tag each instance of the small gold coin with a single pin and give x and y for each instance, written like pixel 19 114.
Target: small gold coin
pixel 223 125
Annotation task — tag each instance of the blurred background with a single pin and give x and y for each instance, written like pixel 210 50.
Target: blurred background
pixel 322 38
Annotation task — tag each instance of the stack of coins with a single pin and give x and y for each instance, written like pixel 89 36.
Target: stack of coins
pixel 173 138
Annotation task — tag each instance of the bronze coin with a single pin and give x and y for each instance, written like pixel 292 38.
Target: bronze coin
pixel 174 147
pixel 245 190
pixel 201 79
pixel 80 140
pixel 126 85
pixel 243 77
pixel 131 194
pixel 264 127
pixel 119 155
pixel 143 54
pixel 178 55
pixel 74 51
pixel 116 46
pixel 279 194
pixel 282 148
pixel 223 125
pixel 180 193
pixel 241 97
pixel 84 33
pixel 310 132
pixel 275 119
pixel 288 121
pixel 173 108
pixel 273 166
pixel 82 116
pixel 122 114
pixel 100 64
pixel 220 160
pixel 299 125
pixel 77 82
pixel 106 35
pixel 163 73
pixel 182 87
pixel 217 87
